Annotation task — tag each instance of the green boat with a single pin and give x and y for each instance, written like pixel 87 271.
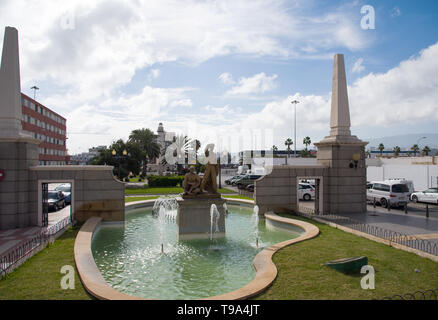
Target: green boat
pixel 348 265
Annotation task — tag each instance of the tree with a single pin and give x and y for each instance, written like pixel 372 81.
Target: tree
pixel 415 149
pixel 123 163
pixel 146 142
pixel 307 141
pixel 381 148
pixel 274 148
pixel 426 150
pixel 396 151
pixel 288 143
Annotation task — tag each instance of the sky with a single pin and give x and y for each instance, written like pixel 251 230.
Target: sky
pixel 226 71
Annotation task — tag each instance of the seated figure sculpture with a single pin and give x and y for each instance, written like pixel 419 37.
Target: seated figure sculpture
pixel 192 183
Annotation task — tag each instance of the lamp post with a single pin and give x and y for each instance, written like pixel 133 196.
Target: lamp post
pixel 295 127
pixel 34 88
pixel 114 153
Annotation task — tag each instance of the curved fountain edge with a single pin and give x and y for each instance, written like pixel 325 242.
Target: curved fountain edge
pixel 266 271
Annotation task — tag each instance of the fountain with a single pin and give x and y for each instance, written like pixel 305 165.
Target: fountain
pixel 165 209
pixel 214 221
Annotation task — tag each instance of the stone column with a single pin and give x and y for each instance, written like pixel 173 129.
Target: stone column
pixel 343 153
pixel 18 152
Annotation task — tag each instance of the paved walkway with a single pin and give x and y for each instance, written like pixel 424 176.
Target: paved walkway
pixel 14 237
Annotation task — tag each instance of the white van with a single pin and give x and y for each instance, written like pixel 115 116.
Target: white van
pixel 409 183
pixel 388 192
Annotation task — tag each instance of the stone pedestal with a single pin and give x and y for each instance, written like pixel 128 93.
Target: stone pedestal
pixel 194 220
pixel 16 199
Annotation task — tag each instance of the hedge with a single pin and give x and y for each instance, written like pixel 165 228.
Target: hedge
pixel 165 181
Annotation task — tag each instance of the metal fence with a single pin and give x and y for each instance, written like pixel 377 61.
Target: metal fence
pixel 431 294
pixel 391 236
pixel 25 250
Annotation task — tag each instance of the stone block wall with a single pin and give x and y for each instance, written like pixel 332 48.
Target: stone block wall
pixel 95 191
pixel 16 156
pixel 278 190
pixel 346 187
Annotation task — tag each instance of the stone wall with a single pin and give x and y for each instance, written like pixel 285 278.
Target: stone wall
pixel 95 191
pixel 278 191
pixel 16 156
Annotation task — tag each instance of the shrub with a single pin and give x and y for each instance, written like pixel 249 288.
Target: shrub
pixel 165 181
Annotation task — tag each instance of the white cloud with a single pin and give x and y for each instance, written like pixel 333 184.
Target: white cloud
pixel 84 69
pixel 227 78
pixel 358 67
pixel 257 84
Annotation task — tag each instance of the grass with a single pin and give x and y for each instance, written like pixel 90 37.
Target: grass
pixel 302 275
pixel 40 276
pixel 166 190
pixel 236 196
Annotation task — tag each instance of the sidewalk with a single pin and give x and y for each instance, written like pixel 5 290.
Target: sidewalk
pixel 12 238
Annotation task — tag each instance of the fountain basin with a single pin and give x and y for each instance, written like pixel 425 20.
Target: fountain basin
pixel 264 273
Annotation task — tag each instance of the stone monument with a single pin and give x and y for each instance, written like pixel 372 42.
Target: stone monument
pixel 194 205
pixel 342 152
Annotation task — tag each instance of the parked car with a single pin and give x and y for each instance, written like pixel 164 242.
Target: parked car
pixel 230 180
pixel 250 187
pixel 56 200
pixel 388 192
pixel 66 190
pixel 306 191
pixel 430 195
pixel 241 183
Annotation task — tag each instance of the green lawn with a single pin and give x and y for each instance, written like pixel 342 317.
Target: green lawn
pixel 40 276
pixel 237 196
pixel 302 276
pixel 166 190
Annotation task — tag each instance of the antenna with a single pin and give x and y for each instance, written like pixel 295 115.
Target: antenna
pixel 35 88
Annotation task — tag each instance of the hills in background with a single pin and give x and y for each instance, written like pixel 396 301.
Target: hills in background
pixel 405 141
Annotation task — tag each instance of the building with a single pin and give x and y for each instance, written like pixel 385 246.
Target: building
pixel 164 139
pixel 47 126
pixel 85 158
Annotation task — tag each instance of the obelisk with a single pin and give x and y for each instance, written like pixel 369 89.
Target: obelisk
pixel 10 87
pixel 343 153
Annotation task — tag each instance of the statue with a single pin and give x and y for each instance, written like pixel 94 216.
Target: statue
pixel 209 183
pixel 192 183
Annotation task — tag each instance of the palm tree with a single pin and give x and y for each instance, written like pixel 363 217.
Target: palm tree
pixel 146 141
pixel 307 141
pixel 368 153
pixel 381 148
pixel 426 150
pixel 288 143
pixel 396 151
pixel 415 149
pixel 274 148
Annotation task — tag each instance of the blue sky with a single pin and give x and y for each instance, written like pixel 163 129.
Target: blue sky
pixel 217 68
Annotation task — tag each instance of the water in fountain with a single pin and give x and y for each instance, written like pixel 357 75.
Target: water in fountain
pixel 165 209
pixel 256 224
pixel 214 221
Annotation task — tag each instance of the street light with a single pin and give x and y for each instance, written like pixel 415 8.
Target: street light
pixel 114 153
pixel 295 128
